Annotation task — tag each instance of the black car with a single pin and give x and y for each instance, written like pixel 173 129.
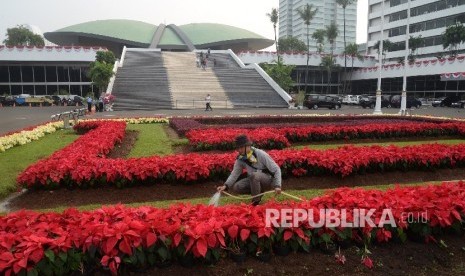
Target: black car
pixel 449 100
pixel 396 101
pixel 370 101
pixel 7 100
pixel 459 104
pixel 317 101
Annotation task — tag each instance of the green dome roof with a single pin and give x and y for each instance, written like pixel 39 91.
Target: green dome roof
pixel 131 33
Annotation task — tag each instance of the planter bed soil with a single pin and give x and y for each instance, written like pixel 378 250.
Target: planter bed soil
pixel 41 199
pixel 409 258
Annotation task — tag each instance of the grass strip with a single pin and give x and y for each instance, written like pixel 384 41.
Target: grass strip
pixel 17 159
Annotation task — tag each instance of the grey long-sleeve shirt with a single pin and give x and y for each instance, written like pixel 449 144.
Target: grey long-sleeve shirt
pixel 264 161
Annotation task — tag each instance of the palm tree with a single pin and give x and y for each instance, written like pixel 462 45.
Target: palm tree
pixel 274 19
pixel 352 51
pixel 319 36
pixel 331 34
pixel 344 4
pixel 307 14
pixel 329 63
pixel 387 45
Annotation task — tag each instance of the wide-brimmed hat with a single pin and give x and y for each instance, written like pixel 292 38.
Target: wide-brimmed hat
pixel 242 141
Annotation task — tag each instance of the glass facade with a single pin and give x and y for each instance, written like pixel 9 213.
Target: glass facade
pixel 44 79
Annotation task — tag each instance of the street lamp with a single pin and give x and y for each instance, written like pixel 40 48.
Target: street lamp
pixel 377 110
pixel 403 103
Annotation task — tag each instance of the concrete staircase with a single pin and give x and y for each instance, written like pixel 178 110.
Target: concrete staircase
pixel 189 84
pixel 141 84
pixel 151 80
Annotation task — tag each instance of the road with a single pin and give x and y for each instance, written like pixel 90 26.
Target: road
pixel 16 118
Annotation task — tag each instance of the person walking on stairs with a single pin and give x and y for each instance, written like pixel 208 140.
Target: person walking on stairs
pixel 208 100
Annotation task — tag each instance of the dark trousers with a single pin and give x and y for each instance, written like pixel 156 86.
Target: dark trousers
pixel 89 107
pixel 208 107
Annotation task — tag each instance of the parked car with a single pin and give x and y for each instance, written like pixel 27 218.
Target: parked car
pixel 351 99
pixel 459 104
pixel 7 100
pixel 370 101
pixel 411 102
pixel 317 101
pixel 449 100
pixel 437 102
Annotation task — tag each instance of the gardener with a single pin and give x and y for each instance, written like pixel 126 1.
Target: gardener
pixel 263 173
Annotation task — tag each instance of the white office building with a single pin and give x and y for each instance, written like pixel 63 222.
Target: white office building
pixel 290 23
pixel 428 18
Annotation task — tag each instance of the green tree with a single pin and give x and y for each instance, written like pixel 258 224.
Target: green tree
pixel 387 46
pixel 100 73
pixel 106 57
pixel 453 37
pixel 274 17
pixel 352 51
pixel 21 36
pixel 332 32
pixel 291 44
pixel 280 73
pixel 344 4
pixel 328 62
pixel 413 44
pixel 307 13
pixel 319 36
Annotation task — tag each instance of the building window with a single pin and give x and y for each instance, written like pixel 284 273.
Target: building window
pixel 4 77
pixel 39 74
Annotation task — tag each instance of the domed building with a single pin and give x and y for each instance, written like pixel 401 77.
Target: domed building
pixel 117 33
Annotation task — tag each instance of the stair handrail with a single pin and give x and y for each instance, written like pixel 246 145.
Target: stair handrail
pixel 112 79
pixel 122 56
pixel 286 97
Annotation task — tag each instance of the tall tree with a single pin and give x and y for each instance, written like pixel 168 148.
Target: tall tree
pixel 280 73
pixel 453 37
pixel 274 17
pixel 291 44
pixel 352 51
pixel 319 36
pixel 414 43
pixel 105 56
pixel 328 62
pixel 332 32
pixel 101 70
pixel 387 46
pixel 307 13
pixel 21 36
pixel 344 4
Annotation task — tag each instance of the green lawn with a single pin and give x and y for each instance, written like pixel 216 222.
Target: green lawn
pixel 15 160
pixel 152 140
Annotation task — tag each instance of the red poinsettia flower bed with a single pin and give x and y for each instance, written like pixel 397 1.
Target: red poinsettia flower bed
pixel 277 138
pixel 95 144
pixel 120 238
pixel 223 139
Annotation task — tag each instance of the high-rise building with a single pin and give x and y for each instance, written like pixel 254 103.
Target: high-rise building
pixel 427 18
pixel 290 23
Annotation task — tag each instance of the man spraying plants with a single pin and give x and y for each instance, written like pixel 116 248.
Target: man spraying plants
pixel 263 174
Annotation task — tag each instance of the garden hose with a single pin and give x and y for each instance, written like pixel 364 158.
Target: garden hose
pixel 251 197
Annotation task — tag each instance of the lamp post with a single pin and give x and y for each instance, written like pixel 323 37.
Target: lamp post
pixel 377 110
pixel 403 103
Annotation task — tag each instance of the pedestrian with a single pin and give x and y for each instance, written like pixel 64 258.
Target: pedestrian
pixel 208 100
pixel 100 104
pixel 197 60
pixel 208 52
pixel 214 62
pixel 263 173
pixel 89 103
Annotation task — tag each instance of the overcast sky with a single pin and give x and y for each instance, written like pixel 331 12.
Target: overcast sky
pixel 50 15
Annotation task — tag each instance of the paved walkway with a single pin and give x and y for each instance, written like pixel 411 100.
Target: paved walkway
pixel 16 118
